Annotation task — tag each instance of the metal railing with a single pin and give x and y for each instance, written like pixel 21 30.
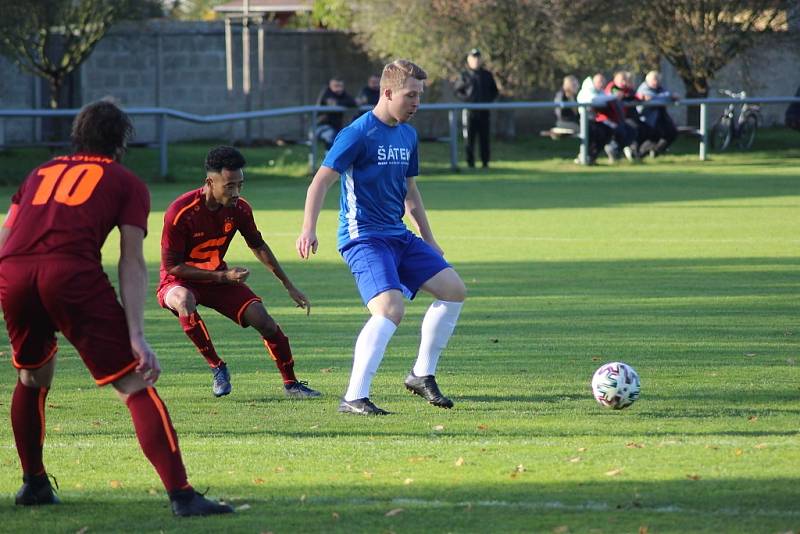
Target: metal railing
pixel 453 108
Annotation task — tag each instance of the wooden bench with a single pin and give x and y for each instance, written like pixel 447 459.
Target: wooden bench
pixel 556 133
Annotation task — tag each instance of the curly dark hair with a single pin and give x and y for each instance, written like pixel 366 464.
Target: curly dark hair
pixel 224 157
pixel 101 128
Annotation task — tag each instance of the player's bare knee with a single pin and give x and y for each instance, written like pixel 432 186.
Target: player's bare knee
pixel 129 384
pixel 454 290
pixel 38 378
pixel 266 326
pixel 182 301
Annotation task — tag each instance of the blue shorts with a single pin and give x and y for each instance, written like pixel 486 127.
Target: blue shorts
pixel 403 262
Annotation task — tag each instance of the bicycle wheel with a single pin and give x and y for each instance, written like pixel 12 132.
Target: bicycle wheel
pixel 747 130
pixel 721 134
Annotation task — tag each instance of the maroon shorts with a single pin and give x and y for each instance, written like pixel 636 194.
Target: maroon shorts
pixel 42 295
pixel 228 299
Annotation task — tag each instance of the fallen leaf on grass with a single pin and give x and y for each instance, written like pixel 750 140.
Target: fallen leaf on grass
pixel 116 484
pixel 574 460
pixel 313 427
pixel 738 452
pixel 258 481
pixel 752 418
pixel 280 469
pixel 643 529
pixel 614 472
pixel 408 481
pixel 517 470
pixel 242 507
pixel 367 474
pixel 460 461
pixel 83 530
pixel 335 516
pixel 713 447
pixel 634 445
pixel 582 449
pixel 693 476
pixel 751 354
pixel 563 529
pixel 393 512
pixel 152 491
pixel 760 446
pixel 326 370
pixel 438 428
pixel 483 427
pixel 417 459
pixel 303 498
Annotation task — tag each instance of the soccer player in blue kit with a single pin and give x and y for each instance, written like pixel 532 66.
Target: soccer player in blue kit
pixel 377 159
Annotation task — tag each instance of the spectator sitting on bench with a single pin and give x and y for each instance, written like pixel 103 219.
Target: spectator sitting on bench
pixel 662 130
pixel 592 93
pixel 567 120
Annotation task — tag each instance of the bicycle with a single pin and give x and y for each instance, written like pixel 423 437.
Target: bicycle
pixel 742 128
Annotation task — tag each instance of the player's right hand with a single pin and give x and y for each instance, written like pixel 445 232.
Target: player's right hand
pixel 307 244
pixel 148 366
pixel 237 275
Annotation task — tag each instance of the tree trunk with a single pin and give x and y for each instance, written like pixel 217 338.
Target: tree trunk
pixel 58 131
pixel 695 88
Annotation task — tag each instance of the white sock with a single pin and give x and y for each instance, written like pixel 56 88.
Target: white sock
pixel 370 346
pixel 437 327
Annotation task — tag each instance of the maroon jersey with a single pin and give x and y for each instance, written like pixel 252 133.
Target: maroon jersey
pixel 201 236
pixel 70 204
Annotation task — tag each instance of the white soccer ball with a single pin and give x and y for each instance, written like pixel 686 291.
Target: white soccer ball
pixel 615 385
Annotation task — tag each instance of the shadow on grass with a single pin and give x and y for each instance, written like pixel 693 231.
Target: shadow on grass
pixel 521 504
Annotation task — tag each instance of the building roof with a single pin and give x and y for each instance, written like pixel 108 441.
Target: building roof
pixel 265 6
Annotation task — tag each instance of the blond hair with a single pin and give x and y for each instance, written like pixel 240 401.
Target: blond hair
pixel 396 73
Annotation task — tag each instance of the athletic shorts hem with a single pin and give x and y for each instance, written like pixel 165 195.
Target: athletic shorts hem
pixel 37 365
pixel 241 311
pixel 116 376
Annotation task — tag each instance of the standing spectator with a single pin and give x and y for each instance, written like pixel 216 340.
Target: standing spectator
pixel 329 124
pixel 568 117
pixel 792 117
pixel 371 92
pixel 662 130
pixel 475 85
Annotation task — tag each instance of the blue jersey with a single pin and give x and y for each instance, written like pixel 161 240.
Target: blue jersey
pixel 374 161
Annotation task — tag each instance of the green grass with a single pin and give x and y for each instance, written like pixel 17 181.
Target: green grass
pixel 688 271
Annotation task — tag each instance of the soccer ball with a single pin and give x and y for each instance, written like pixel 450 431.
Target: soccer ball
pixel 615 385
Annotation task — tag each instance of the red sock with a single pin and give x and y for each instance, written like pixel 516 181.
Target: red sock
pixel 157 437
pixel 195 328
pixel 27 420
pixel 279 350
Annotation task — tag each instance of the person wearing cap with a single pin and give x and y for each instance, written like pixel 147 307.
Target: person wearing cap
pixel 475 85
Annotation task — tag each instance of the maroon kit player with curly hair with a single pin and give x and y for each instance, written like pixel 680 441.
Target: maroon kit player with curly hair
pixel 51 279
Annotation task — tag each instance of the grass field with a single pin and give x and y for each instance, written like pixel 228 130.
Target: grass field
pixel 688 271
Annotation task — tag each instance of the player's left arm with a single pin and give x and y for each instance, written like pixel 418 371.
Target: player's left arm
pixel 133 290
pixel 415 210
pixel 265 256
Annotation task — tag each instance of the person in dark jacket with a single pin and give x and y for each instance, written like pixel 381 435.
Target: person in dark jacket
pixel 329 124
pixel 568 117
pixel 792 117
pixel 476 84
